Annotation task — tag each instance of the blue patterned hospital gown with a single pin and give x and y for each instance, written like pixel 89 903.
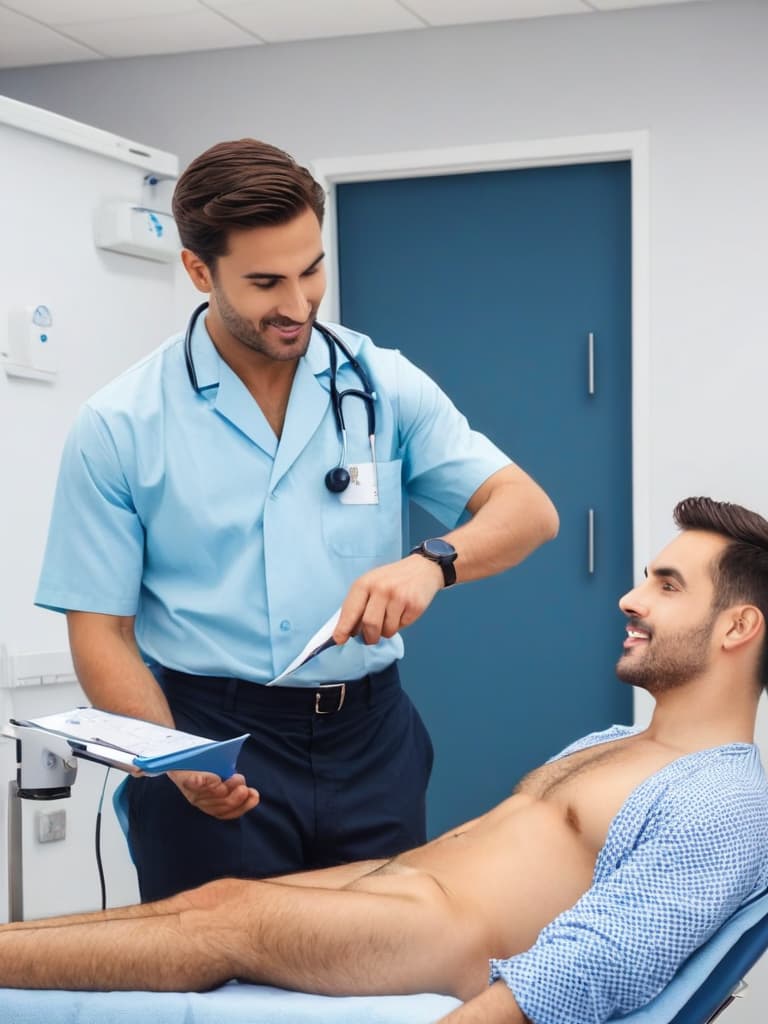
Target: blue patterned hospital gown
pixel 687 848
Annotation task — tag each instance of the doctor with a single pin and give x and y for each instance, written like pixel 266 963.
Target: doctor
pixel 217 502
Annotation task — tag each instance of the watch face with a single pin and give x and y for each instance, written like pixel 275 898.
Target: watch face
pixel 439 548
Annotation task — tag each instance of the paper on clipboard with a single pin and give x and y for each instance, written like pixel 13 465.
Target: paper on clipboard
pixel 129 743
pixel 320 641
pixel 131 736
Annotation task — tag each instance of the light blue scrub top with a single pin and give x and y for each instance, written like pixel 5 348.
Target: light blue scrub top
pixel 185 510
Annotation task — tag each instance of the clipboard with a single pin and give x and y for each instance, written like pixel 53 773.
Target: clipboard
pixel 127 743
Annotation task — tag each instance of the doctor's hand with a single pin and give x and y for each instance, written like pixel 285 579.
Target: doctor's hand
pixel 221 798
pixel 389 598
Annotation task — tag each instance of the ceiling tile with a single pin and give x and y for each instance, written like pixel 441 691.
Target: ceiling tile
pixel 458 12
pixel 281 20
pixel 61 12
pixel 123 28
pixel 619 5
pixel 164 33
pixel 24 43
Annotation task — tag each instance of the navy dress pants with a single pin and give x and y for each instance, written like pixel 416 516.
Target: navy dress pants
pixel 342 771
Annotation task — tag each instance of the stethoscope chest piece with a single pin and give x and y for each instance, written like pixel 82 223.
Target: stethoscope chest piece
pixel 337 479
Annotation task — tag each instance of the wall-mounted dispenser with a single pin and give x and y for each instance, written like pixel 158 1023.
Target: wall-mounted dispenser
pixel 136 231
pixel 30 350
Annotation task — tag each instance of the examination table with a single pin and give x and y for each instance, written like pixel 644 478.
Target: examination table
pixel 702 986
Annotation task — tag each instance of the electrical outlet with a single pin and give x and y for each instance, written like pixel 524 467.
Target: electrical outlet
pixel 51 826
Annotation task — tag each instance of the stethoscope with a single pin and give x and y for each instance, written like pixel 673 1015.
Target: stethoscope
pixel 338 478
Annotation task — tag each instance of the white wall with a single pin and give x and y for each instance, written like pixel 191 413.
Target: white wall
pixel 695 76
pixel 108 309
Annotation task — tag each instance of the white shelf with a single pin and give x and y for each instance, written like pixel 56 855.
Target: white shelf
pixel 27 670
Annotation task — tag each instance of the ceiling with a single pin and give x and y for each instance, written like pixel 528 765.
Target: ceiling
pixel 60 31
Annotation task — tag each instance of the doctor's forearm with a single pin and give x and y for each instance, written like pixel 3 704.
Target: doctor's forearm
pixel 511 517
pixel 110 668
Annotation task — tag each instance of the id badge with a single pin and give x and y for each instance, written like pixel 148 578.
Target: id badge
pixel 363 486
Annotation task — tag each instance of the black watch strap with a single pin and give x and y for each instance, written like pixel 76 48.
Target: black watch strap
pixel 444 554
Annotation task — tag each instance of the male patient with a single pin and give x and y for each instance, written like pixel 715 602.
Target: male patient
pixel 585 889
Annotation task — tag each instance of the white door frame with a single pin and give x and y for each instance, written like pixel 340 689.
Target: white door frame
pixel 632 146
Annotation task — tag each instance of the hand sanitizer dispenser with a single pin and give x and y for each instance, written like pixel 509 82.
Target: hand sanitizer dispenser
pixel 137 231
pixel 30 351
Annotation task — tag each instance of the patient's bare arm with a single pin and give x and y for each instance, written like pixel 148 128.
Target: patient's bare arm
pixel 496 1005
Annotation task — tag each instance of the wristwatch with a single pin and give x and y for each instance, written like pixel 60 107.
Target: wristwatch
pixel 438 550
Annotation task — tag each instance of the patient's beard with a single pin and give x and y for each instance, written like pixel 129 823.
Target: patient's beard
pixel 669 661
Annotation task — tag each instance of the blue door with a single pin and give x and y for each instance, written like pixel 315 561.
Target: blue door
pixel 493 283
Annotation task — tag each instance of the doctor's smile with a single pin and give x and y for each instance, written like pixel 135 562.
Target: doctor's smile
pixel 287 331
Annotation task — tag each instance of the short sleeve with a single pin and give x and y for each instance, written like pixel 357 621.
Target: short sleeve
pixel 94 555
pixel 444 460
pixel 624 940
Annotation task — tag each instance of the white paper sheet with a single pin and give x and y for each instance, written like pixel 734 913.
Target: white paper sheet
pixel 320 641
pixel 116 732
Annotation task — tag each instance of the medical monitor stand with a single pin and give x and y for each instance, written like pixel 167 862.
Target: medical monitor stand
pixel 15 863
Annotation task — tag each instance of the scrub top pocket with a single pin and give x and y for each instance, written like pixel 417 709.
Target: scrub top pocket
pixel 369 531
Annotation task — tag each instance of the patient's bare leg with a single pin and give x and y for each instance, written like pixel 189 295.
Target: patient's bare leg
pixel 331 878
pixel 411 939
pixel 173 904
pixel 211 894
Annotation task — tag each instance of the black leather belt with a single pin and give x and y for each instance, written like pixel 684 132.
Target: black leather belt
pixel 325 699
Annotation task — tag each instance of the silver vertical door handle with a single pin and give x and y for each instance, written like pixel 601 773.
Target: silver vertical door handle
pixel 591 542
pixel 590 363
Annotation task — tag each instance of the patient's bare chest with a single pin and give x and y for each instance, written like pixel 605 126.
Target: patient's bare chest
pixel 547 780
pixel 592 785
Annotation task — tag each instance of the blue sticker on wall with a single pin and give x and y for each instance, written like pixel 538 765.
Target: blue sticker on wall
pixel 42 317
pixel 155 224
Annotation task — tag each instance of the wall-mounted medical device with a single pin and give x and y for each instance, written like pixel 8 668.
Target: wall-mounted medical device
pixel 136 231
pixel 46 767
pixel 30 349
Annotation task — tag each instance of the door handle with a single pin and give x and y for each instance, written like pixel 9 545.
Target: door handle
pixel 590 363
pixel 591 542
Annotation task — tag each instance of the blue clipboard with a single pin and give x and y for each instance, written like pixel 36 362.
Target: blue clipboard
pixel 219 758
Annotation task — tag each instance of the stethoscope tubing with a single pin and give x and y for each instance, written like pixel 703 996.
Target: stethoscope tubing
pixel 366 395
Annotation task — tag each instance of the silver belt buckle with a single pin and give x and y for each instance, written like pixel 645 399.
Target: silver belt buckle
pixel 341 687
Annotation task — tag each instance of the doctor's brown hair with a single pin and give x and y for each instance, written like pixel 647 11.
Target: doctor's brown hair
pixel 237 185
pixel 740 572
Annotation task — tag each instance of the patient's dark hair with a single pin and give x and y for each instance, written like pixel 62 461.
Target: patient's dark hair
pixel 740 572
pixel 237 185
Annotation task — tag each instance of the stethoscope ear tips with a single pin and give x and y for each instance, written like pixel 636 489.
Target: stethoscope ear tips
pixel 337 479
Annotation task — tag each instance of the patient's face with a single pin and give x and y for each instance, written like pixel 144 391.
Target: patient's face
pixel 670 617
